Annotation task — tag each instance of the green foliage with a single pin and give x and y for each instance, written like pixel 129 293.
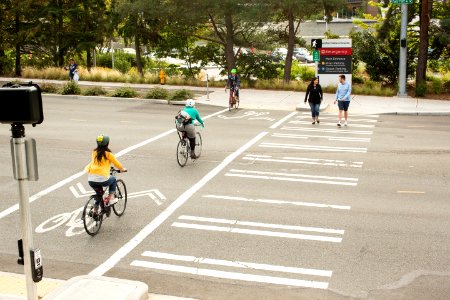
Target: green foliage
pixel 49 88
pixel 421 89
pixel 71 88
pixel 260 66
pixel 157 93
pixel 182 94
pixel 95 91
pixel 437 85
pixel 125 92
pixel 300 72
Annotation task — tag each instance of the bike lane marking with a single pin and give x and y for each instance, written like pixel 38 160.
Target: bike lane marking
pixel 63 182
pixel 165 214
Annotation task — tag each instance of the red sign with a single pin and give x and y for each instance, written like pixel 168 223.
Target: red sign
pixel 335 51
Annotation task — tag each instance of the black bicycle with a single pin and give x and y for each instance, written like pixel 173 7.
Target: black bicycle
pixel 95 210
pixel 184 149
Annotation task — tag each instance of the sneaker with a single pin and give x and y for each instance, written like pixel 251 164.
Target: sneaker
pixel 313 123
pixel 318 121
pixel 113 201
pixel 193 156
pixel 339 124
pixel 345 123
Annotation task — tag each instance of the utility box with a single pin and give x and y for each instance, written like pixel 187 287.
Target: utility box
pixel 21 104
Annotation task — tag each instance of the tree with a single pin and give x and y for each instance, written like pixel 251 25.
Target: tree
pixel 426 7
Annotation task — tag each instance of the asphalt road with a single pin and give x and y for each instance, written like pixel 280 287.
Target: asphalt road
pixel 275 208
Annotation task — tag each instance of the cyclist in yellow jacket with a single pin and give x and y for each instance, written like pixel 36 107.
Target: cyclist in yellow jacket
pixel 99 167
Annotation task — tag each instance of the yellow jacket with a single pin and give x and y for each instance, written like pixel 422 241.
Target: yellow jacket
pixel 102 168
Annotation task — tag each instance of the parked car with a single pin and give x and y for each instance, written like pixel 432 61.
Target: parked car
pixel 303 55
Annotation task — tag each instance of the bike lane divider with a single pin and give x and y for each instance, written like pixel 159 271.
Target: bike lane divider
pixel 69 179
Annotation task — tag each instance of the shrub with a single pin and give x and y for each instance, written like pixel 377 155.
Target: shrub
pixel 157 93
pixel 49 88
pixel 179 95
pixel 125 92
pixel 421 89
pixel 71 88
pixel 300 72
pixel 94 91
pixel 437 85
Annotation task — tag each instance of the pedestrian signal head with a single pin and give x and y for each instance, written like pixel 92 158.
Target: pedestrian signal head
pixel 103 140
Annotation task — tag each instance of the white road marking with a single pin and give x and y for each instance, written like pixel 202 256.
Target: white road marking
pixel 293 177
pixel 264 225
pixel 410 192
pixel 63 182
pixel 282 120
pixel 353 115
pixel 332 124
pixel 164 215
pixel 315 148
pixel 304 160
pixel 330 138
pixel 280 202
pixel 231 275
pixel 326 130
pixel 238 264
pixel 279 234
pixel 334 118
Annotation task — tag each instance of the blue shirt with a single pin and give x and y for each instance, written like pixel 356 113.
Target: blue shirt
pixel 343 92
pixel 194 114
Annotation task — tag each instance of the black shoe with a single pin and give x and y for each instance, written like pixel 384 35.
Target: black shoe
pixel 108 211
pixel 339 125
pixel 318 121
pixel 193 156
pixel 313 123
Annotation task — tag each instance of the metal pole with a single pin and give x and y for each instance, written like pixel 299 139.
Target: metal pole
pixel 207 86
pixel 19 158
pixel 112 54
pixel 403 53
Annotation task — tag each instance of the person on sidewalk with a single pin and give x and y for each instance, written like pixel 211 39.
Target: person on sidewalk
pixel 314 91
pixel 73 70
pixel 187 125
pixel 99 167
pixel 343 99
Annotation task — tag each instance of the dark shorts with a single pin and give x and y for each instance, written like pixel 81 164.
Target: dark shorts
pixel 343 105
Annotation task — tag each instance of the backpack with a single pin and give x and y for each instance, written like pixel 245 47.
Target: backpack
pixel 182 118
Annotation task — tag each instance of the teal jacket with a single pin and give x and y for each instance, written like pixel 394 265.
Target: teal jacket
pixel 194 114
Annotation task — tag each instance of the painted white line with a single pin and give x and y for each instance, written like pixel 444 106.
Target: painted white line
pixel 315 148
pixel 282 120
pixel 335 119
pixel 330 138
pixel 280 202
pixel 335 116
pixel 288 235
pixel 293 177
pixel 306 162
pixel 231 275
pixel 150 227
pixel 333 124
pixel 326 130
pixel 264 225
pixel 238 264
pixel 63 182
pixel 411 192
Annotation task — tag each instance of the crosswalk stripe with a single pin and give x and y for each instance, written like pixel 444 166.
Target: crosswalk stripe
pixel 231 275
pixel 313 147
pixel 272 201
pixel 237 264
pixel 340 131
pixel 332 124
pixel 330 138
pixel 299 236
pixel 293 177
pixel 307 161
pixel 335 119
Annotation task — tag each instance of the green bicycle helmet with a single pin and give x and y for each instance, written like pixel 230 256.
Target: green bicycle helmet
pixel 233 71
pixel 102 140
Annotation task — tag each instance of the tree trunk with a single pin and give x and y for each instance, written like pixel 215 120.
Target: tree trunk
pixel 137 45
pixel 88 59
pixel 2 57
pixel 426 7
pixel 290 49
pixel 229 42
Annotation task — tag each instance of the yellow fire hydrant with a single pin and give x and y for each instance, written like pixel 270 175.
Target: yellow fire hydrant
pixel 162 77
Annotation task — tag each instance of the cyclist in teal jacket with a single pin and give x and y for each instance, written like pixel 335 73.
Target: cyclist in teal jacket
pixel 188 125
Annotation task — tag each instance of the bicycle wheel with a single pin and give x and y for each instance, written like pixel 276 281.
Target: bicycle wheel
pixel 92 221
pixel 121 195
pixel 198 144
pixel 182 152
pixel 236 106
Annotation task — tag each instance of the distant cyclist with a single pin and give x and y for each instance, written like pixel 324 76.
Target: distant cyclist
pixel 185 123
pixel 99 167
pixel 233 82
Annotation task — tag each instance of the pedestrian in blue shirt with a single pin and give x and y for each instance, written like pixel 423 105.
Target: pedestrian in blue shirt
pixel 72 69
pixel 343 99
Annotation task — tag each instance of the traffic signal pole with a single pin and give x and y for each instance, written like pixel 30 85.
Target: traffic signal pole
pixel 403 52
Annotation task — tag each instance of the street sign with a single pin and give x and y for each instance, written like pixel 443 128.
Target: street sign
pixel 335 65
pixel 402 1
pixel 316 43
pixel 316 55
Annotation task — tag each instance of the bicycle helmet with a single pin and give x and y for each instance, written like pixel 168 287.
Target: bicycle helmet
pixel 190 103
pixel 233 71
pixel 102 140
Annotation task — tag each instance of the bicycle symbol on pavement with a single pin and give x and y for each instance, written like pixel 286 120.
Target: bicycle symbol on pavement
pixel 251 115
pixel 73 219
